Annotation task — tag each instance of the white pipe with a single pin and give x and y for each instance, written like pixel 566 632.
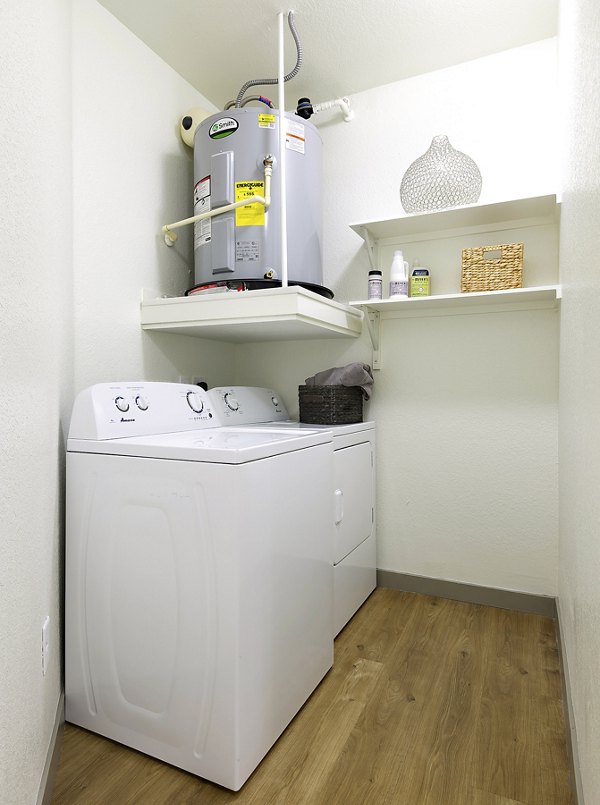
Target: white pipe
pixel 282 133
pixel 343 103
pixel 171 237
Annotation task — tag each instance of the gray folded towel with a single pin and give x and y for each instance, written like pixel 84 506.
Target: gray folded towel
pixel 354 374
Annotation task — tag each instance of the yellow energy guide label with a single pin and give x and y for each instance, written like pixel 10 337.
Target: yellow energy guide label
pixel 252 214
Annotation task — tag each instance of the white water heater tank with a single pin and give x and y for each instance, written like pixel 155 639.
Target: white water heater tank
pixel 244 244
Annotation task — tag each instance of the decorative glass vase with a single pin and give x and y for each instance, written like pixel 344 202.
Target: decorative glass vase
pixel 441 178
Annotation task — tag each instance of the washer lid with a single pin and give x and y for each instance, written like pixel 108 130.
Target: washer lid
pixel 335 430
pixel 222 446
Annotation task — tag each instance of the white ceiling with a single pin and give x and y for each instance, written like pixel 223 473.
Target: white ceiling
pixel 348 46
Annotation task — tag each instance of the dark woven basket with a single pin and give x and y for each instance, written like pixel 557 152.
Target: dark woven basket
pixel 330 405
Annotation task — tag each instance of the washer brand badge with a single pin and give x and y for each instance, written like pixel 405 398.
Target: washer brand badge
pixel 223 128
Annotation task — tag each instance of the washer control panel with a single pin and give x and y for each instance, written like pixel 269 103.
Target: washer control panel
pixel 114 410
pixel 196 401
pixel 245 405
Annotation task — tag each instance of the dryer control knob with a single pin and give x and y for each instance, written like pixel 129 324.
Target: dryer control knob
pixel 231 402
pixel 195 402
pixel 275 401
pixel 122 404
pixel 141 403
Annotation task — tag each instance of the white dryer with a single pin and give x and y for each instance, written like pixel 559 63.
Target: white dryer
pixel 354 548
pixel 198 581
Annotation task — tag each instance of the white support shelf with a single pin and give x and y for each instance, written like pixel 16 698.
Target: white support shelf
pixel 287 314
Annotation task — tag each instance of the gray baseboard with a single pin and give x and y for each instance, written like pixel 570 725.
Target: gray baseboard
pixel 53 756
pixel 470 593
pixel 572 746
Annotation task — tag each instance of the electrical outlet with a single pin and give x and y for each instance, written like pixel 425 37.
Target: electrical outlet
pixel 194 380
pixel 45 644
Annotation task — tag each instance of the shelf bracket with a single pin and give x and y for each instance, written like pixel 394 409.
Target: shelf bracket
pixel 372 321
pixel 371 247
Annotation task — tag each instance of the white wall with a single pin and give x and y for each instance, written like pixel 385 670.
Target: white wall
pixel 579 591
pixel 91 166
pixel 35 356
pixel 132 174
pixel 466 406
pixel 500 110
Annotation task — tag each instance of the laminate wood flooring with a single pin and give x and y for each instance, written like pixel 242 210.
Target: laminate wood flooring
pixel 429 702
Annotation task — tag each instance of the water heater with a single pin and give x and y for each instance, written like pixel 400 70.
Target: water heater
pixel 244 244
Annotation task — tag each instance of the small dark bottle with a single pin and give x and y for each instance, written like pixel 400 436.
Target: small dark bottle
pixel 375 285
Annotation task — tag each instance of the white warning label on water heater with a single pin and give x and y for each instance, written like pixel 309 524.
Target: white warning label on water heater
pixel 202 229
pixel 247 251
pixel 295 138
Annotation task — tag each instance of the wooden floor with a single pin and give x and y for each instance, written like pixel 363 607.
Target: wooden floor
pixel 430 702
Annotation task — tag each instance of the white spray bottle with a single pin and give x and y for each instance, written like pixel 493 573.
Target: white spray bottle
pixel 399 277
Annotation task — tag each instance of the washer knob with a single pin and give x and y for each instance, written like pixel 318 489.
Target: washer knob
pixel 141 403
pixel 122 404
pixel 195 402
pixel 275 401
pixel 231 402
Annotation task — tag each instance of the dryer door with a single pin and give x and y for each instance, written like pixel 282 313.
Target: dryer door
pixel 353 496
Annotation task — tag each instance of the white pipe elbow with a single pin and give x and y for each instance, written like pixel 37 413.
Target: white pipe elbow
pixel 344 105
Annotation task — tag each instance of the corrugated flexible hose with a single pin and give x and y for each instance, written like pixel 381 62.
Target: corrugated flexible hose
pixel 291 74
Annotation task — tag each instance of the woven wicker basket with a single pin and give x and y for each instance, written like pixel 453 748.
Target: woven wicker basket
pixel 485 273
pixel 330 405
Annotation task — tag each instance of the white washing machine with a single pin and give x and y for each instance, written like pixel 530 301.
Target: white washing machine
pixel 354 549
pixel 198 581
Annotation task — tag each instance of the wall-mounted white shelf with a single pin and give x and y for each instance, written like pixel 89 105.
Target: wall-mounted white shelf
pixel 521 212
pixel 442 235
pixel 457 304
pixel 540 298
pixel 533 220
pixel 287 314
pixel 544 297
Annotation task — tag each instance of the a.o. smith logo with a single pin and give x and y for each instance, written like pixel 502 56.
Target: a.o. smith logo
pixel 222 128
